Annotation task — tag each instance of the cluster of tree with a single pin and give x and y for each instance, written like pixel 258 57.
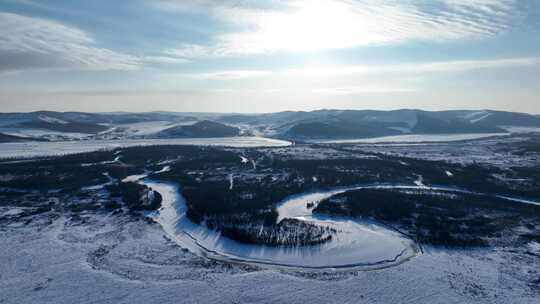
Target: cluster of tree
pixel 434 218
pixel 51 174
pixel 203 174
pixel 136 196
pixel 288 232
pixel 530 146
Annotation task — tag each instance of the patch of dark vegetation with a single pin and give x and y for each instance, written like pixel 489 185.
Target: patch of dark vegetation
pixel 68 173
pixel 151 156
pixel 437 218
pixel 5 138
pixel 200 129
pixel 529 237
pixel 111 205
pixel 531 145
pixel 239 198
pixel 288 232
pixel 428 124
pixel 68 126
pixel 204 175
pixel 342 129
pixel 473 176
pixel 135 196
pixel 84 206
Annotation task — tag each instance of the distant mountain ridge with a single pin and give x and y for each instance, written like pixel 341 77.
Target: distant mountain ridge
pixel 5 138
pixel 199 129
pixel 320 124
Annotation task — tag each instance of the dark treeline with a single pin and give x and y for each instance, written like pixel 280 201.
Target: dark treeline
pixel 437 218
pixel 136 196
pixel 204 175
pixel 289 232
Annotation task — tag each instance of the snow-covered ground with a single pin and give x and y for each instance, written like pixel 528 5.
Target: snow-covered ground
pixel 139 129
pixel 145 128
pixel 513 129
pixel 482 151
pixel 103 258
pixel 475 117
pixel 45 134
pixel 411 138
pixel 35 149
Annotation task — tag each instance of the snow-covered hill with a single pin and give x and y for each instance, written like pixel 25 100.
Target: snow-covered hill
pixel 314 125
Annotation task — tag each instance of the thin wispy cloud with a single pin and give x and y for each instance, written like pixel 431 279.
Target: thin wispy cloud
pixel 416 68
pixel 337 91
pixel 231 75
pixel 315 25
pixel 163 59
pixel 367 69
pixel 36 43
pixel 225 54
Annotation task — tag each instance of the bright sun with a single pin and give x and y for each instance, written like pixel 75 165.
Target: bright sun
pixel 310 26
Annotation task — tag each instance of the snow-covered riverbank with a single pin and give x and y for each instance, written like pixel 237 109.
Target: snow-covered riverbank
pixel 356 244
pixel 114 259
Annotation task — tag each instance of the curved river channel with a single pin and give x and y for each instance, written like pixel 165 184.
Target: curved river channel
pixel 356 244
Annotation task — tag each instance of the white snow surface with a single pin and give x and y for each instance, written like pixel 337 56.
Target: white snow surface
pixel 412 138
pixel 475 115
pixel 42 133
pixel 145 128
pixel 52 120
pixel 516 129
pixel 35 149
pixel 114 259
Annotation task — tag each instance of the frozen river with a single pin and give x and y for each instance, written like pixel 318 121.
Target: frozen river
pixel 415 138
pixel 356 244
pixel 36 149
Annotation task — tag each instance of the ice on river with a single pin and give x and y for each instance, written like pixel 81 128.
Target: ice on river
pixel 356 244
pixel 36 149
pixel 415 138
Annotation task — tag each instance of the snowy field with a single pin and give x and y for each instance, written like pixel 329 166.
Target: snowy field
pixel 45 134
pixel 483 151
pixel 118 259
pixel 36 149
pixel 412 138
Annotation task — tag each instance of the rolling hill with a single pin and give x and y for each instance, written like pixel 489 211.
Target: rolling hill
pixel 320 124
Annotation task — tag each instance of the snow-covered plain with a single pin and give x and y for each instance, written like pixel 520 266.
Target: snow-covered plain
pixel 103 258
pixel 115 258
pixel 36 149
pixel 482 151
pixel 412 138
pixel 45 134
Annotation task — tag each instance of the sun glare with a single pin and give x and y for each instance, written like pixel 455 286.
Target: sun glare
pixel 309 26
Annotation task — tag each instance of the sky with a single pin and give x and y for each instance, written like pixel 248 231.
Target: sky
pixel 264 56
